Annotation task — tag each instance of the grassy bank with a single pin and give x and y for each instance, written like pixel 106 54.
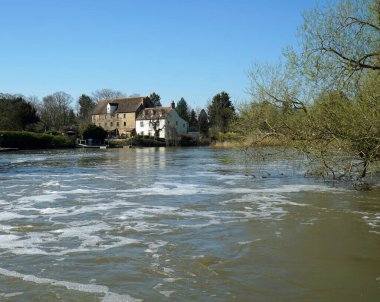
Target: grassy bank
pixel 31 140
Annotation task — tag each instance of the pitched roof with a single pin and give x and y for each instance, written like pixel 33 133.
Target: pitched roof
pixel 124 105
pixel 154 113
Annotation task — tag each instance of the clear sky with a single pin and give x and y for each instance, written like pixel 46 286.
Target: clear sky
pixel 177 48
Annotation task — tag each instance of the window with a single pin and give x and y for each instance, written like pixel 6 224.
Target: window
pixel 105 124
pixel 176 123
pixel 183 125
pixel 125 115
pixel 117 124
pixel 111 124
pixel 117 115
pixel 125 124
pixel 142 133
pixel 141 124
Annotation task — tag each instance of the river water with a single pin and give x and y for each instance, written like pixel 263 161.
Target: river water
pixel 181 225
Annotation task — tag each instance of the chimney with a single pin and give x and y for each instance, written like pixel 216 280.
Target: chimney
pixel 172 104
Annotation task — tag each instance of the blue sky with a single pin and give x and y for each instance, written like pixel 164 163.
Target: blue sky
pixel 185 48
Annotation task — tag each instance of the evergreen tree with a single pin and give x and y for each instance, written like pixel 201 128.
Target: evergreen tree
pixel 156 99
pixel 193 122
pixel 221 111
pixel 86 106
pixel 203 122
pixel 183 109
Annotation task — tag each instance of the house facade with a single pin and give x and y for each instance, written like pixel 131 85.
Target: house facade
pixel 119 115
pixel 161 121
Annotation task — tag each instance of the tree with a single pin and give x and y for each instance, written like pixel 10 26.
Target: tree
pixel 16 113
pixel 183 110
pixel 193 122
pixel 107 94
pixel 94 132
pixel 155 98
pixel 221 111
pixel 56 112
pixel 203 122
pixel 27 113
pixel 86 107
pixel 327 97
pixel 339 42
pixel 155 123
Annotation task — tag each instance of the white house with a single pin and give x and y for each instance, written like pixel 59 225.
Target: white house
pixel 164 120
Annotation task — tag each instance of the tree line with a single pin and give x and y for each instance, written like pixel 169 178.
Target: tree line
pixel 55 112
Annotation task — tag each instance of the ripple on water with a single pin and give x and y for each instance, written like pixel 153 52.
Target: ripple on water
pixel 140 222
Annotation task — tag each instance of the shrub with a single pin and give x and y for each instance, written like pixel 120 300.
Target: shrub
pixel 32 140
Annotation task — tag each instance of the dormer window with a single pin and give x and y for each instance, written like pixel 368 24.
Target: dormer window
pixel 111 108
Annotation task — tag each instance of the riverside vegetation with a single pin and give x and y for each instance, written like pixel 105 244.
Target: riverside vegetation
pixel 324 99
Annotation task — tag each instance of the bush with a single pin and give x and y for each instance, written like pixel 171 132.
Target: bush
pixel 32 140
pixel 94 132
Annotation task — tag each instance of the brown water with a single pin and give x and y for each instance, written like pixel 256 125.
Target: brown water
pixel 181 225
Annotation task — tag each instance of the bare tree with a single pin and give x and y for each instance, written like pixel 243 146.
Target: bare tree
pixel 56 111
pixel 155 123
pixel 106 94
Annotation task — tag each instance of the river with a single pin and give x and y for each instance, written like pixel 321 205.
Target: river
pixel 172 224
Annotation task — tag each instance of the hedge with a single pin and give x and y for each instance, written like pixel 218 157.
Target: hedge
pixel 32 140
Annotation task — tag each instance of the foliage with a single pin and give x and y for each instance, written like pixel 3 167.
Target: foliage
pixel 339 42
pixel 155 98
pixel 183 110
pixel 16 113
pixel 94 132
pixel 86 107
pixel 32 140
pixel 203 122
pixel 193 121
pixel 147 142
pixel 325 100
pixel 221 111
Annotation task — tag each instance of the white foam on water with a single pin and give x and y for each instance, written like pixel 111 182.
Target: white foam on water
pixel 45 197
pixel 142 226
pixel 5 216
pixel 5 228
pixel 172 280
pixel 50 211
pixel 50 183
pixel 82 231
pixel 87 288
pixel 168 270
pixel 11 295
pixel 154 246
pixel 167 293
